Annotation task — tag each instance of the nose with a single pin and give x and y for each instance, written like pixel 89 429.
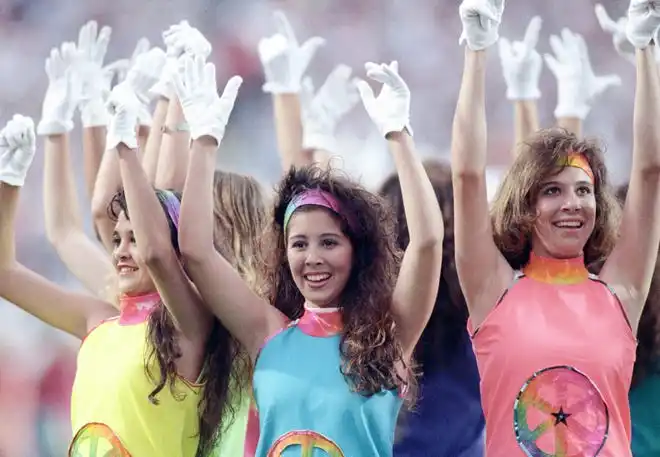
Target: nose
pixel 572 202
pixel 313 258
pixel 121 252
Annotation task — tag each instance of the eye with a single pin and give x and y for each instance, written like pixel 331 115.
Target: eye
pixel 329 243
pixel 116 241
pixel 552 190
pixel 298 244
pixel 132 239
pixel 584 190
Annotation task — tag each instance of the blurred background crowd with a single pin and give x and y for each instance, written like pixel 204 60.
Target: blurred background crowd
pixel 37 363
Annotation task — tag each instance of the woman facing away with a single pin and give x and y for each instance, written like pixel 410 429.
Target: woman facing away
pixel 645 388
pixel 333 344
pixel 536 313
pixel 444 353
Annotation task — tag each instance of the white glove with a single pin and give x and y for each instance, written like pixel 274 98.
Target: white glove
pixel 577 85
pixel 521 64
pixel 283 59
pixel 206 113
pixel 123 106
pixel 618 30
pixel 142 76
pixel 643 22
pixel 321 112
pixel 390 111
pixel 89 76
pixel 17 148
pixel 121 67
pixel 481 22
pixel 184 39
pixel 62 94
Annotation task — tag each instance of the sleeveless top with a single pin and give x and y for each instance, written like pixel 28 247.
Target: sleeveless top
pixel 646 418
pixel 556 356
pixel 447 420
pixel 110 410
pixel 305 405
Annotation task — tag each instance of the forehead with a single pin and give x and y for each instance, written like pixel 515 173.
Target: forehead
pixel 569 175
pixel 123 224
pixel 310 221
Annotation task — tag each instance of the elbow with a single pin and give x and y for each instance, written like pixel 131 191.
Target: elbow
pixel 192 252
pixel 156 252
pixel 430 245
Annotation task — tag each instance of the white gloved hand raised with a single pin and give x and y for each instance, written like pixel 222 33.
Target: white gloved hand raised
pixel 123 106
pixel 481 22
pixel 321 112
pixel 521 64
pixel 89 76
pixel 577 85
pixel 62 94
pixel 643 22
pixel 283 59
pixel 120 68
pixel 17 148
pixel 142 76
pixel 181 38
pixel 390 111
pixel 618 30
pixel 205 112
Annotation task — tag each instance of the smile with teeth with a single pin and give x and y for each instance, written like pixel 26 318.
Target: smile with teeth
pixel 126 269
pixel 569 224
pixel 317 277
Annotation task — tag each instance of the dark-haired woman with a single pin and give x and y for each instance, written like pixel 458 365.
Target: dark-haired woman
pixel 555 345
pixel 333 345
pixel 444 355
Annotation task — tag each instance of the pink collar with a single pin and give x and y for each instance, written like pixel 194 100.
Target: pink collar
pixel 136 309
pixel 321 322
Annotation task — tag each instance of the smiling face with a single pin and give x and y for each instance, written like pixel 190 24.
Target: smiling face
pixel 566 214
pixel 132 274
pixel 320 255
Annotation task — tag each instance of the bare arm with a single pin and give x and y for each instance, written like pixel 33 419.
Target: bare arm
pixel 64 226
pixel 630 266
pixel 174 152
pixel 108 183
pixel 71 312
pixel 483 272
pixel 153 241
pixel 93 146
pixel 417 284
pixel 288 129
pixel 249 318
pixel 525 122
pixel 154 140
pixel 572 124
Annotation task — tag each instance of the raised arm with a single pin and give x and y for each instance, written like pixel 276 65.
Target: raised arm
pixel 285 62
pixel 577 85
pixel 521 66
pixel 417 285
pixel 630 266
pixel 483 272
pixel 71 312
pixel 153 237
pixel 249 318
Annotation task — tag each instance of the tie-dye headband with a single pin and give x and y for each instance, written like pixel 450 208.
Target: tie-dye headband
pixel 574 159
pixel 173 206
pixel 315 197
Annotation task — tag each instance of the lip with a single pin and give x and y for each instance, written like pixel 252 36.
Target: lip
pixel 574 221
pixel 317 284
pixel 121 266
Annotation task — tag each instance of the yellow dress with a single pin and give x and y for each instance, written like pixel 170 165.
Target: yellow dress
pixel 111 414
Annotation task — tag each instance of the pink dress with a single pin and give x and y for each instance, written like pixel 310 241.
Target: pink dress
pixel 555 357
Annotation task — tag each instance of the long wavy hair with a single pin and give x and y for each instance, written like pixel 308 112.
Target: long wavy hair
pixel 224 364
pixel 647 361
pixel 372 355
pixel 514 208
pixel 447 324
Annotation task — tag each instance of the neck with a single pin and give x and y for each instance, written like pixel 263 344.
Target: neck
pixel 556 271
pixel 321 322
pixel 135 309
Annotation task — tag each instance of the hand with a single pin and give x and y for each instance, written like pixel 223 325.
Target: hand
pixel 62 95
pixel 481 22
pixel 17 148
pixel 283 59
pixel 618 31
pixel 121 67
pixel 123 106
pixel 521 64
pixel 206 113
pixel 577 85
pixel 643 22
pixel 181 38
pixel 390 111
pixel 321 112
pixel 146 72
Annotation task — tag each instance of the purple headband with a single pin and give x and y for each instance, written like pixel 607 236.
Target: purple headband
pixel 173 206
pixel 315 197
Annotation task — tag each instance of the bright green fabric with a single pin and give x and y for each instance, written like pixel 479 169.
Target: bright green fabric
pixel 645 414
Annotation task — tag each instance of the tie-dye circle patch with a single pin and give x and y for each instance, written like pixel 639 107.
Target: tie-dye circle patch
pixel 306 441
pixel 97 440
pixel 559 412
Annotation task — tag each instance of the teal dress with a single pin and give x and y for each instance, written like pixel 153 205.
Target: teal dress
pixel 645 415
pixel 304 403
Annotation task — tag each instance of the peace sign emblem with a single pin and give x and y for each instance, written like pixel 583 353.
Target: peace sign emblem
pixel 308 442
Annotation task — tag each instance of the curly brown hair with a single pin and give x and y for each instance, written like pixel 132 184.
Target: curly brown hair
pixel 648 331
pixel 447 324
pixel 371 352
pixel 224 364
pixel 513 210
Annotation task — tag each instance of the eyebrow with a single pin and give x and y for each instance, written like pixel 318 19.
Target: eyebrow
pixel 557 183
pixel 322 235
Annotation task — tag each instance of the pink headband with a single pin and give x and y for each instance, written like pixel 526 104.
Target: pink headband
pixel 315 197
